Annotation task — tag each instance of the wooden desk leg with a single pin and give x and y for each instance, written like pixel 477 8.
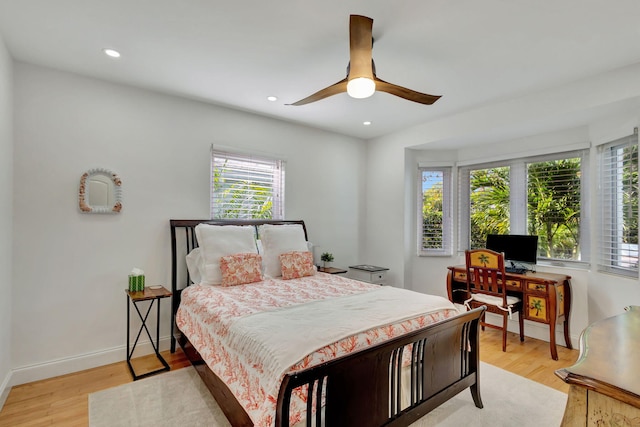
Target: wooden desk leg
pixel 567 312
pixel 553 318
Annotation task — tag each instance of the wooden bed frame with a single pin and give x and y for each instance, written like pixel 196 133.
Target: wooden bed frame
pixel 361 388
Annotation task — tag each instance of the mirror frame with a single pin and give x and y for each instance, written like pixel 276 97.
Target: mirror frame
pixel 83 192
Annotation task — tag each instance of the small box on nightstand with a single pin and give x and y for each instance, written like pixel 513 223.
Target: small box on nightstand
pixel 368 273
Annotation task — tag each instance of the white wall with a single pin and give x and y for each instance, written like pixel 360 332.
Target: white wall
pixel 70 269
pixel 6 216
pixel 584 111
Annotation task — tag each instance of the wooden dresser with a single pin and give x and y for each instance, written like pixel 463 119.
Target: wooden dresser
pixel 605 381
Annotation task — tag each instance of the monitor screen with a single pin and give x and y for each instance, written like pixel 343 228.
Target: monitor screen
pixel 516 248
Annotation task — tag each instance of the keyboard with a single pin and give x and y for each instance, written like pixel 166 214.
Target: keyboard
pixel 515 270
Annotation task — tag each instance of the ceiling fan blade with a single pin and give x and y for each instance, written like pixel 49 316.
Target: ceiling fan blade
pixel 334 89
pixel 360 45
pixel 403 92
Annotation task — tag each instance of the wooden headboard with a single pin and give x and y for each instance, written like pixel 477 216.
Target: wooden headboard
pixel 183 241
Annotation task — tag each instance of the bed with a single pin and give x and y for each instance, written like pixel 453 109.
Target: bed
pixel 294 347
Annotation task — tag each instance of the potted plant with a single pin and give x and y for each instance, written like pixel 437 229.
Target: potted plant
pixel 326 258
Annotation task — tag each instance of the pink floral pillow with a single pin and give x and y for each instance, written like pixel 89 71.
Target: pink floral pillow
pixel 296 264
pixel 240 269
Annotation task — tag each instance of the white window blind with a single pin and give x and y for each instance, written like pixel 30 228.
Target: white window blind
pixel 618 248
pixel 435 227
pixel 554 207
pixel 246 186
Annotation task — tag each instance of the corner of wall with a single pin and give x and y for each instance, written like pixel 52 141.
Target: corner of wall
pixel 5 388
pixel 6 216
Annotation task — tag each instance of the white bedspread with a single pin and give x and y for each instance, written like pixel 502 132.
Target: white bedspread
pixel 284 336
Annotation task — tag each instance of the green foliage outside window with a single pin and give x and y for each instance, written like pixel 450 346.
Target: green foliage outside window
pixel 630 196
pixel 234 198
pixel 554 207
pixel 432 209
pixel 489 204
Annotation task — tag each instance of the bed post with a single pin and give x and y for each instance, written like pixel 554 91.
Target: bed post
pixel 174 285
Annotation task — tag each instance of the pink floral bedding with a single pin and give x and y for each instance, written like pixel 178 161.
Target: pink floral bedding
pixel 207 314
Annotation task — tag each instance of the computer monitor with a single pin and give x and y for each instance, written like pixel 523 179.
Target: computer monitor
pixel 516 248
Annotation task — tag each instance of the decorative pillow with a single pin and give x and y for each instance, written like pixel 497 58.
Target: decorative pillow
pixel 195 265
pixel 240 269
pixel 297 264
pixel 216 241
pixel 276 240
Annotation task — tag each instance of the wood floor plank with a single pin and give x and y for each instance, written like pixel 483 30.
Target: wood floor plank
pixel 64 400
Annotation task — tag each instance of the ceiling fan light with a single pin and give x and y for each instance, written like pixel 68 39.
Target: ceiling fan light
pixel 361 87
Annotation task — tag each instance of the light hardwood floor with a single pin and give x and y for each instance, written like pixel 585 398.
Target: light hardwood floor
pixel 63 401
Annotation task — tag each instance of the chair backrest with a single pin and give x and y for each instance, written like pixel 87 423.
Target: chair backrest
pixel 485 272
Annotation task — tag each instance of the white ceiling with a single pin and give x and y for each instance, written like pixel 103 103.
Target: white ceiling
pixel 236 53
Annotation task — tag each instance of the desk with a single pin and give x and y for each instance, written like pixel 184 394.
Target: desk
pixel 604 387
pixel 546 298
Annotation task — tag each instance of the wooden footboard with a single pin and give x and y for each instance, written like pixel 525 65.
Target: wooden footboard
pixel 365 388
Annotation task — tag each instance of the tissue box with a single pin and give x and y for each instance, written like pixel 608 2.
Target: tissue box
pixel 136 283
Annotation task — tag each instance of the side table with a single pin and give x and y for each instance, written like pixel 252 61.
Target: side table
pixel 153 294
pixel 369 273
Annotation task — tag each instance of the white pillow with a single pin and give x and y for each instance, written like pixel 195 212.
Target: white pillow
pixel 261 250
pixel 276 240
pixel 216 241
pixel 195 266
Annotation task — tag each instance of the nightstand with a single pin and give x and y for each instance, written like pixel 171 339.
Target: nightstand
pixel 368 273
pixel 153 294
pixel 331 270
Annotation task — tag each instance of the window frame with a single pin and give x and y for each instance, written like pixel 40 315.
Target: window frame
pixel 278 178
pixel 447 212
pixel 609 199
pixel 518 200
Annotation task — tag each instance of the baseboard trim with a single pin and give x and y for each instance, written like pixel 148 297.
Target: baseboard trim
pixel 54 368
pixel 5 388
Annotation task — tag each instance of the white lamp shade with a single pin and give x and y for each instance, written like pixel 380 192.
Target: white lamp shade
pixel 361 87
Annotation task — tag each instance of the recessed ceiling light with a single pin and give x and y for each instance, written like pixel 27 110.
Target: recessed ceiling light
pixel 111 52
pixel 367 123
pixel 272 98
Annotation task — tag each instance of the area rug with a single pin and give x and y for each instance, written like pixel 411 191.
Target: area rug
pixel 181 398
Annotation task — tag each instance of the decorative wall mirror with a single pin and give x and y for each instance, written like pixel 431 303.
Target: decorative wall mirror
pixel 100 192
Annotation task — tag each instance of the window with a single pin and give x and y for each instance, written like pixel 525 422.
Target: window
pixel 245 186
pixel 618 195
pixel 540 196
pixel 434 228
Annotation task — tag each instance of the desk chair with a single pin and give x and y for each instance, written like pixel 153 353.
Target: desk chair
pixel 485 287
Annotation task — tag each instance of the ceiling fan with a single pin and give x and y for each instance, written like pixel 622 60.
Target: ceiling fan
pixel 361 80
